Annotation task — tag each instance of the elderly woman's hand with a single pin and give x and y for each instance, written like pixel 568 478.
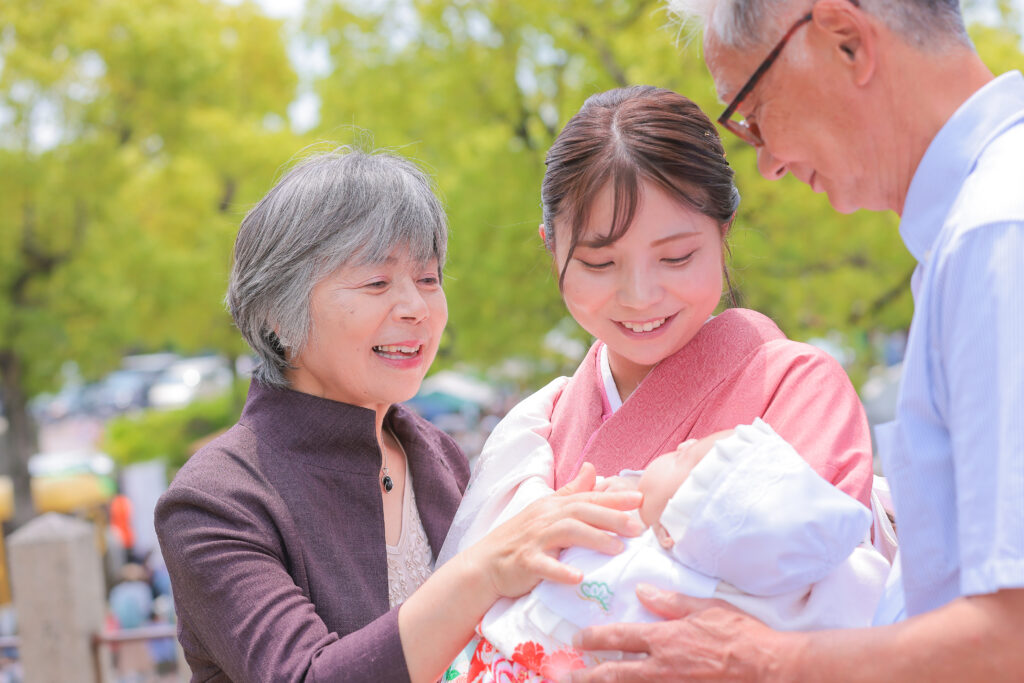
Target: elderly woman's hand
pixel 517 555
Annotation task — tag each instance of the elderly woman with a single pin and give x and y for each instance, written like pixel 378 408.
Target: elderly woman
pixel 301 543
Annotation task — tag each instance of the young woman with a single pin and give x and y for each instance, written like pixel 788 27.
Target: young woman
pixel 638 200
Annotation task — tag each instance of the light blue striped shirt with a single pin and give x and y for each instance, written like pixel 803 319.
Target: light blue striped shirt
pixel 955 454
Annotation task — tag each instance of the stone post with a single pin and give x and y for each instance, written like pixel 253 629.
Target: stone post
pixel 59 597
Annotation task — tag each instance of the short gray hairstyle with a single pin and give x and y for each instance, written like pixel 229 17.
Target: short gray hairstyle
pixel 930 25
pixel 344 207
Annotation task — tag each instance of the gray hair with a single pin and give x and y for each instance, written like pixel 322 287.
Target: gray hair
pixel 930 25
pixel 344 207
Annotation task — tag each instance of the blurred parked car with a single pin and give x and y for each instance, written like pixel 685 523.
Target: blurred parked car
pixel 188 379
pixel 123 390
pixel 149 362
pixel 71 400
pixel 128 388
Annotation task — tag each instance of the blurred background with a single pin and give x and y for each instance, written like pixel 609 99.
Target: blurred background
pixel 135 135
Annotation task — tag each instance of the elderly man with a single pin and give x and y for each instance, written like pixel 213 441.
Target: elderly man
pixel 883 104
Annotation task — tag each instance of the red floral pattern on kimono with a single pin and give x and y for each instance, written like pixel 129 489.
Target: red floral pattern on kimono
pixel 530 663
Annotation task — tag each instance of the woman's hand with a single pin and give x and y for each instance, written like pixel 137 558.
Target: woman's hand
pixel 517 555
pixel 617 483
pixel 508 562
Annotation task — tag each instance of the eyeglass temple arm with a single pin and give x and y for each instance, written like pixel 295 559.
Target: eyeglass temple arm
pixel 765 65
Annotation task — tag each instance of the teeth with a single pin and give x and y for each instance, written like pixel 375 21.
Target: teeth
pixel 644 327
pixel 394 349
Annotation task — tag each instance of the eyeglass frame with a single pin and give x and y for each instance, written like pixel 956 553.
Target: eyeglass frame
pixel 740 128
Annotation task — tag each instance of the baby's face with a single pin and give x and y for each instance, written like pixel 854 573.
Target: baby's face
pixel 666 473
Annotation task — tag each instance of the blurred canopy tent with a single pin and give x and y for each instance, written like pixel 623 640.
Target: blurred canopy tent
pixel 71 480
pixel 449 392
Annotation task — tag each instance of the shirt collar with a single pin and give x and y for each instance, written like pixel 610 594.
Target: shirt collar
pixel 329 433
pixel 950 156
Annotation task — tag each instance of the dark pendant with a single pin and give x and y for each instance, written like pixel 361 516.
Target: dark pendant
pixel 387 483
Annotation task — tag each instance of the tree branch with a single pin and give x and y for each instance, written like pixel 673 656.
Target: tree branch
pixel 629 19
pixel 38 261
pixel 604 52
pixel 230 186
pixel 857 260
pixel 884 299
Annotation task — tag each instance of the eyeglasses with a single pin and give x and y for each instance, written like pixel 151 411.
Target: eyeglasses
pixel 749 132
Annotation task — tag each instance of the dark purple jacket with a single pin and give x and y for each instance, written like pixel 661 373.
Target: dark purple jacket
pixel 273 535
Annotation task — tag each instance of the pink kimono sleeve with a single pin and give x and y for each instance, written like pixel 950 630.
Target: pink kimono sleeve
pixel 816 409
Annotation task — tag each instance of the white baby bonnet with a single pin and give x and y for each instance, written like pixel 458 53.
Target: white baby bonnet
pixel 743 516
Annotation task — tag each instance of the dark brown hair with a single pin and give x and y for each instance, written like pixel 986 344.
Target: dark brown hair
pixel 622 137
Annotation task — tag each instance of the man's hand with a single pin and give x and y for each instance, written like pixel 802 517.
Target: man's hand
pixel 701 640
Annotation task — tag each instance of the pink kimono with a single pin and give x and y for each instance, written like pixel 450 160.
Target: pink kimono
pixel 738 367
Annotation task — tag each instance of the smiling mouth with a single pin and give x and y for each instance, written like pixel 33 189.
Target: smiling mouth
pixel 646 326
pixel 396 352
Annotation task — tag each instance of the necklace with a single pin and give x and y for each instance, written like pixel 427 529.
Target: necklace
pixel 385 480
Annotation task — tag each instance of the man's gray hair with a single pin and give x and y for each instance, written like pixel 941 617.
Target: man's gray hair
pixel 344 207
pixel 930 25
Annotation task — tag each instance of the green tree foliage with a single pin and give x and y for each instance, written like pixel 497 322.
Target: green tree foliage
pixel 479 89
pixel 136 132
pixel 170 435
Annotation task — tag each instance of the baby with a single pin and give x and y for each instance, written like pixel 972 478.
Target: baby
pixel 739 516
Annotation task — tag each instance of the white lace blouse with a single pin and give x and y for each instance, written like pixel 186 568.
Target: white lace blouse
pixel 410 561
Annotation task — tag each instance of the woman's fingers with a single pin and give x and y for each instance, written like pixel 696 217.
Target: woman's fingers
pixel 605 518
pixel 551 569
pixel 550 521
pixel 522 551
pixel 619 500
pixel 571 532
pixel 582 487
pixel 615 484
pixel 583 481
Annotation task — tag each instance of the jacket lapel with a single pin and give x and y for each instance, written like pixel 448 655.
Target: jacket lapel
pixel 662 410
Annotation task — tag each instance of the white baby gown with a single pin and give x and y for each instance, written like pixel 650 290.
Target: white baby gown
pixel 753 525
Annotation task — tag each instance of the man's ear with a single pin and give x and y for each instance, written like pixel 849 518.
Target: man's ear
pixel 542 233
pixel 851 33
